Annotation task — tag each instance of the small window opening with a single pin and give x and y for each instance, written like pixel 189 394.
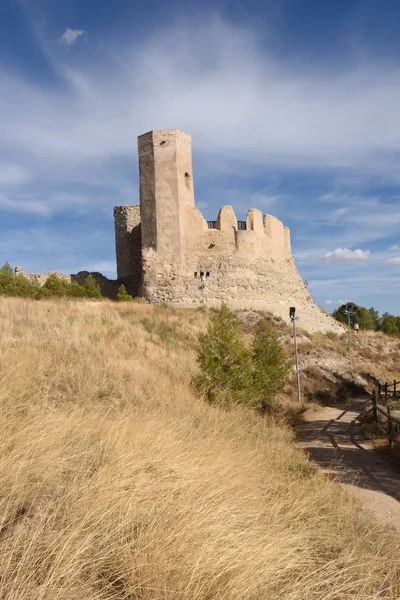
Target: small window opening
pixel 163 142
pixel 187 180
pixel 195 273
pixel 201 273
pixel 208 274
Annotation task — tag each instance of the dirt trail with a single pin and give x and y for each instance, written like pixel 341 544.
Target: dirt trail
pixel 332 438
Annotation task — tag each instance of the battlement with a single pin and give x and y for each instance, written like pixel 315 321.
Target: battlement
pixel 264 227
pixel 168 252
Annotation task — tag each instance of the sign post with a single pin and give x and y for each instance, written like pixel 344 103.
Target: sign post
pixel 292 314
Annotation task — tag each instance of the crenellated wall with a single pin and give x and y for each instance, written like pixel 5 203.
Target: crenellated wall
pixel 247 265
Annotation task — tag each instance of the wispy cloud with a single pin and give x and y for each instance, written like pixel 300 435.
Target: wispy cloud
pixel 53 203
pixel 234 97
pixel 70 36
pixel 345 254
pixel 335 302
pixel 394 248
pixel 393 261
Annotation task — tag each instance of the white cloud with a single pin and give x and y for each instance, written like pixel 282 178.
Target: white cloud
pixel 394 247
pixel 47 204
pixel 393 261
pixel 237 99
pixel 336 302
pixel 70 36
pixel 344 254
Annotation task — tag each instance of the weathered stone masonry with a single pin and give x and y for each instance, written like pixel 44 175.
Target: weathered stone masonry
pixel 165 247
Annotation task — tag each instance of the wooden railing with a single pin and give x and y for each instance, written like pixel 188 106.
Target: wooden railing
pixel 386 392
pixel 242 225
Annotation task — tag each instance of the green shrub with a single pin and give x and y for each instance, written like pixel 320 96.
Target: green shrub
pixel 6 278
pixel 225 362
pixel 92 288
pixel 76 291
pixel 123 295
pixel 148 324
pixel 230 372
pixel 271 367
pixel 54 286
pixel 23 287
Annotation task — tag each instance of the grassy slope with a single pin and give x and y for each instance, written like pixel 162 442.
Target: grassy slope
pixel 116 481
pixel 327 375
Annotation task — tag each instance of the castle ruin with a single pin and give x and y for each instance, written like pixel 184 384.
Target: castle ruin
pixel 167 252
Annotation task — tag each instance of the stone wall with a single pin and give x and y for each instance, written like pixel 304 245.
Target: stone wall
pixel 245 269
pixel 108 287
pixel 41 277
pixel 128 239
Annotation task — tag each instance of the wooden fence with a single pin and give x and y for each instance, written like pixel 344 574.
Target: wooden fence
pixel 386 392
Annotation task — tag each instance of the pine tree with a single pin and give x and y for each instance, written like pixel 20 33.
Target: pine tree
pixel 6 278
pixel 224 360
pixel 24 288
pixel 364 318
pixel 92 288
pixel 76 291
pixel 389 324
pixel 270 364
pixel 123 295
pixel 54 286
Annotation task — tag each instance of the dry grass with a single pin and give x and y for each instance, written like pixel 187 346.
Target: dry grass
pixel 117 482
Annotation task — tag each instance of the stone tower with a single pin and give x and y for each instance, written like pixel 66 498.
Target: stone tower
pixel 166 190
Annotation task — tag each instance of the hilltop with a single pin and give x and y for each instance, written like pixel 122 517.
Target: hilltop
pixel 119 482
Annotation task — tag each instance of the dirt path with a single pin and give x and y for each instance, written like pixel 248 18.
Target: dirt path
pixel 332 438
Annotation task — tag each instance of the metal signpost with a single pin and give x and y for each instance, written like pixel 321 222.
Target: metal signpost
pixel 292 314
pixel 349 310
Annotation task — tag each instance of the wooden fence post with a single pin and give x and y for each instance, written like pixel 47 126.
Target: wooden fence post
pixel 385 387
pixel 390 428
pixel 374 403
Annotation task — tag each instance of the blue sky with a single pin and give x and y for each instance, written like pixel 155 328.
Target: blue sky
pixel 293 106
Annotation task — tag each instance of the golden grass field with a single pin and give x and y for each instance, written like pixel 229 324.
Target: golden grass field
pixel 117 482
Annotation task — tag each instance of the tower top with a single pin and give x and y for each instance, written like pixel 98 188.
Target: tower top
pixel 162 138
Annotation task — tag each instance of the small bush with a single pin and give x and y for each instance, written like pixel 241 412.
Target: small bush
pixel 149 324
pixel 92 288
pixel 233 373
pixel 225 362
pixel 6 278
pixel 123 295
pixel 270 364
pixel 54 286
pixel 166 331
pixel 76 291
